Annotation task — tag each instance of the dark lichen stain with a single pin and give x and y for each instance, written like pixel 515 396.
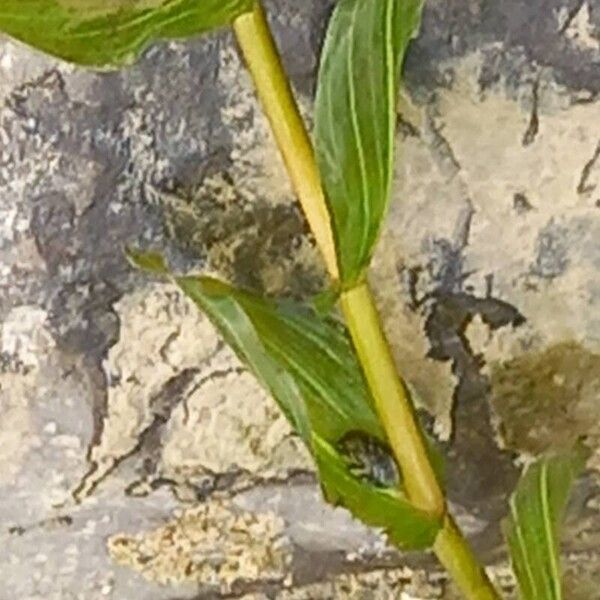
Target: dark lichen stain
pixel 521 203
pixel 241 238
pixel 479 473
pixel 547 400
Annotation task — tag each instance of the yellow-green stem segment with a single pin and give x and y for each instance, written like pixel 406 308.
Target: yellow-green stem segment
pixel 391 400
pixel 454 552
pixel 273 88
pixel 393 406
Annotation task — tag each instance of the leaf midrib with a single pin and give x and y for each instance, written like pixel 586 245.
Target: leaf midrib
pixel 548 530
pixel 366 196
pixel 522 547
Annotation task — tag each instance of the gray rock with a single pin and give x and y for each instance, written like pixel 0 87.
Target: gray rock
pixel 121 407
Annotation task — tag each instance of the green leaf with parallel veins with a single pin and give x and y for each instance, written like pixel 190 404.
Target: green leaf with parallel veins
pixel 311 351
pixel 110 33
pixel 532 529
pixel 355 118
pixel 307 363
pixel 386 508
pixel 217 300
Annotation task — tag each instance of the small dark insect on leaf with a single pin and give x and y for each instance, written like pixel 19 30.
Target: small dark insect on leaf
pixel 369 459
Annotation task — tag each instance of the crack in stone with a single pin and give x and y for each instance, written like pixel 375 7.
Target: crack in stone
pixel 162 406
pixel 406 128
pixel 534 121
pixel 52 522
pixel 232 482
pixel 151 445
pixel 462 229
pixel 441 148
pixel 582 186
pixel 570 16
pixel 212 376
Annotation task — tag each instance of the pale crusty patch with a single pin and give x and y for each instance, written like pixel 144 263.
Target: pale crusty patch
pixel 224 421
pixel 211 544
pixel 389 584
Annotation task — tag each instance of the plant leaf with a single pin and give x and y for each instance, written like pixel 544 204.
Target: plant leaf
pixel 355 117
pixel 110 33
pixel 386 508
pixel 313 351
pixel 151 262
pixel 218 302
pixel 532 529
pixel 307 363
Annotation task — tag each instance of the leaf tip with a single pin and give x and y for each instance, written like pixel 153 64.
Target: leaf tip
pixel 151 262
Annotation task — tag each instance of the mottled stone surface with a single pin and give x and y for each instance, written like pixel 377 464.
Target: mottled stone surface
pixel 128 428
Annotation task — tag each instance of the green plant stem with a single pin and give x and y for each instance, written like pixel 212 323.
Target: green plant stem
pixel 393 405
pixel 455 553
pixel 273 88
pixel 391 400
pixel 406 439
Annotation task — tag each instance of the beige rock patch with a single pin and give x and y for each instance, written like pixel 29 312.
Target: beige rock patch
pixel 461 175
pixel 223 423
pixel 212 545
pixel 162 333
pixel 496 168
pixel 230 424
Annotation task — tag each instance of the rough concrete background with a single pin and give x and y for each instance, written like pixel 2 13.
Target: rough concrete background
pixel 137 458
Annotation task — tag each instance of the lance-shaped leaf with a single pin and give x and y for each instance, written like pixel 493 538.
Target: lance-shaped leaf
pixel 307 363
pixel 355 119
pixel 532 529
pixel 312 353
pixel 107 33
